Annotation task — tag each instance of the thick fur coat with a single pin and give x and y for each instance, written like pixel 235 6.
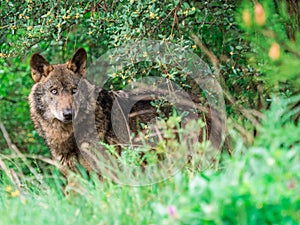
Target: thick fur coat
pixel 53 110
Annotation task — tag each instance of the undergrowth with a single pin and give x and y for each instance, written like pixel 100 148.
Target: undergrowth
pixel 257 185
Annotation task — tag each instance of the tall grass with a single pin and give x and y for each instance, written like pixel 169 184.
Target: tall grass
pixel 257 185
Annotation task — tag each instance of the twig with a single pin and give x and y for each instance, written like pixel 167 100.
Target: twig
pixel 18 183
pixel 212 57
pixel 7 138
pixel 14 148
pixel 250 115
pixel 38 157
pixel 13 178
pixel 292 51
pixel 167 16
pixel 6 170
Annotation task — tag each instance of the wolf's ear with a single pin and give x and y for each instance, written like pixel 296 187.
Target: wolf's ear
pixel 78 62
pixel 39 67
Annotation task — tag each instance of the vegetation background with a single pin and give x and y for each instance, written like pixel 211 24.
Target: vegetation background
pixel 254 47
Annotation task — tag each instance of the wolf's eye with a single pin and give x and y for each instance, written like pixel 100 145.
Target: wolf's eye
pixel 74 90
pixel 54 92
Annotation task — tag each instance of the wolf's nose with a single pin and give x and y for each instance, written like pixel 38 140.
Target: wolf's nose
pixel 67 114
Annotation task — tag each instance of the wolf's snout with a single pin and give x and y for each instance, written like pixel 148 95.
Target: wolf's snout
pixel 67 113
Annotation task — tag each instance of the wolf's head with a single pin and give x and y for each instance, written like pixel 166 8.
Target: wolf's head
pixel 52 94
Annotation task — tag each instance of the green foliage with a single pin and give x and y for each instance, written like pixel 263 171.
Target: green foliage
pixel 276 42
pixel 56 29
pixel 260 186
pixel 14 109
pixel 98 26
pixel 256 49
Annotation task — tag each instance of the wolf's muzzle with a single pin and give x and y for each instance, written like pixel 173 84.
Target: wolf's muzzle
pixel 67 114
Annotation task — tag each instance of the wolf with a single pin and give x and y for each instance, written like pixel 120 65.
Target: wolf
pixel 51 101
pixel 51 108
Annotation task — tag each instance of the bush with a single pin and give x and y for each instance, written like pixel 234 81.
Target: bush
pixel 252 49
pixel 261 185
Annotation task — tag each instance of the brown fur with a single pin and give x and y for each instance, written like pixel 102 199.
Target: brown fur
pixel 52 109
pixel 52 95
